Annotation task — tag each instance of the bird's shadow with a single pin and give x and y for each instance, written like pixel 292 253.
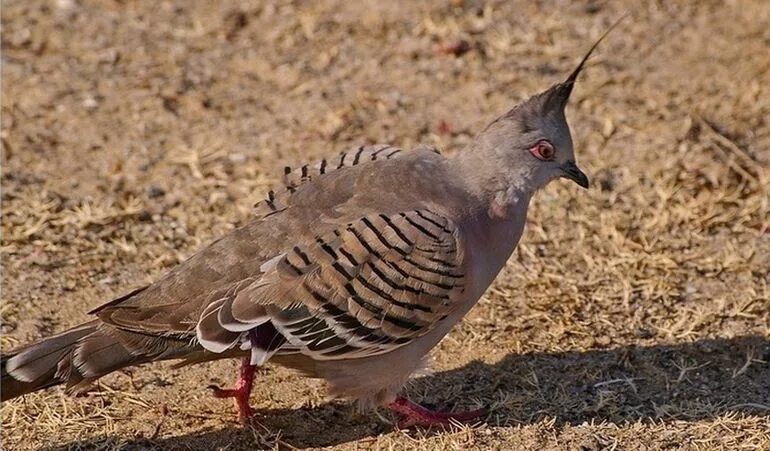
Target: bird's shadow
pixel 688 381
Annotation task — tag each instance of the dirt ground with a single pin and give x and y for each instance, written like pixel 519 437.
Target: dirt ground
pixel 634 315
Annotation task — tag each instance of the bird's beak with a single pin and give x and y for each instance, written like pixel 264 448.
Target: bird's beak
pixel 572 172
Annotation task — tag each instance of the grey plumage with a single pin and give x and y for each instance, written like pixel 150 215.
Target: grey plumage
pixel 352 271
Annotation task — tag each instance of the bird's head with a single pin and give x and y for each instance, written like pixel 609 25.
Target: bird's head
pixel 531 144
pixel 533 139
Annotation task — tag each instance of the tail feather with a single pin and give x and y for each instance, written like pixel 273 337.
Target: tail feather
pixel 75 358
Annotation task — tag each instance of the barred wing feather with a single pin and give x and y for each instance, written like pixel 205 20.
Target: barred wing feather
pixel 369 287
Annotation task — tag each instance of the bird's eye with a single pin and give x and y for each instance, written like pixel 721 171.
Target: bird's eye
pixel 543 150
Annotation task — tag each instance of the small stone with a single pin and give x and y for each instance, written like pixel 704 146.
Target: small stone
pixel 90 103
pixel 457 48
pixel 155 191
pixel 237 158
pixel 66 4
pixel 107 281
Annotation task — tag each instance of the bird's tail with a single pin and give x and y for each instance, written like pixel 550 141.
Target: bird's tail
pixel 75 358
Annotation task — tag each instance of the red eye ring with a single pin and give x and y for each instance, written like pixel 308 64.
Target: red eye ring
pixel 543 150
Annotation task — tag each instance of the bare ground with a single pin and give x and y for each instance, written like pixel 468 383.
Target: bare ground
pixel 635 315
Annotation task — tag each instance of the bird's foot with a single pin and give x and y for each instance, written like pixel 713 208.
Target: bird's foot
pixel 241 392
pixel 413 414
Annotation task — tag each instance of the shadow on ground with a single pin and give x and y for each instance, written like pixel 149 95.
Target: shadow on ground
pixel 688 381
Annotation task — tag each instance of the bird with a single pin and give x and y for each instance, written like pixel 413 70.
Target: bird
pixel 351 272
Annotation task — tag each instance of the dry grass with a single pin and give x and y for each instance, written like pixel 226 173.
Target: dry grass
pixel 635 315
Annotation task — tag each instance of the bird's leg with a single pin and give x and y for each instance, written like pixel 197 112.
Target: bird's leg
pixel 242 390
pixel 413 414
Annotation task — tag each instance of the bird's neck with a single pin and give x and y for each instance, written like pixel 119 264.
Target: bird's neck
pixel 500 195
pixel 491 241
pixel 499 189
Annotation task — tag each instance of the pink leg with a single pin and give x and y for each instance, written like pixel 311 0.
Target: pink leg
pixel 241 391
pixel 414 414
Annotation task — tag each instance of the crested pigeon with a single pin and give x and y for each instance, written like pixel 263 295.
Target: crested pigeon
pixel 352 272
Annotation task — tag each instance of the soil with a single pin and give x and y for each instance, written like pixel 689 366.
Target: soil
pixel 634 315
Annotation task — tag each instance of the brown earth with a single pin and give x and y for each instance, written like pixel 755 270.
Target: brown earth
pixel 635 315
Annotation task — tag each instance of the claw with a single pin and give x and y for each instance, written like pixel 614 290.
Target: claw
pixel 241 392
pixel 413 414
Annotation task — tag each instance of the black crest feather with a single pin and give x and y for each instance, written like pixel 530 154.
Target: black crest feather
pixel 558 95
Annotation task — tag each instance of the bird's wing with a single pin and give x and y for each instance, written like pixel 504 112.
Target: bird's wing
pixel 365 288
pixel 329 202
pixel 166 306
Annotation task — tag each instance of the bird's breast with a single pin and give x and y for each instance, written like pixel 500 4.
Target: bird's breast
pixel 490 242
